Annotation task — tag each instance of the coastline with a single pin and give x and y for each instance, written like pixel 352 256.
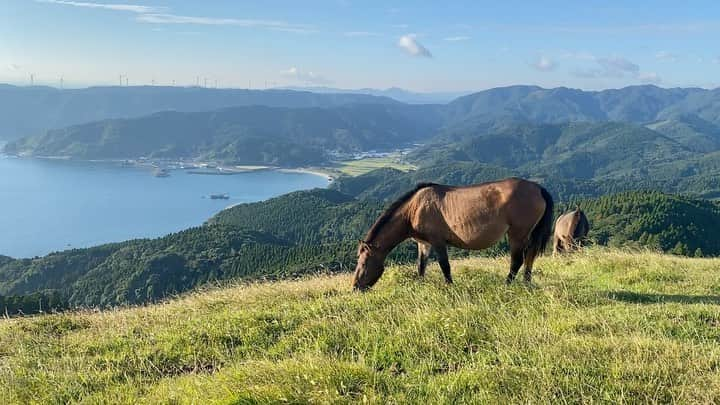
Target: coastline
pixel 193 167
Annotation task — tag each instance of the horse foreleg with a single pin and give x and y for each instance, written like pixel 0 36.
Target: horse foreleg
pixel 423 254
pixel 556 245
pixel 444 262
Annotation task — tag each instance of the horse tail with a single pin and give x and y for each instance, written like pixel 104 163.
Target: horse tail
pixel 540 235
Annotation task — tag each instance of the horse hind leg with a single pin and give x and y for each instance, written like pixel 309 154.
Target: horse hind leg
pixel 530 255
pixel 516 261
pixel 518 241
pixel 423 254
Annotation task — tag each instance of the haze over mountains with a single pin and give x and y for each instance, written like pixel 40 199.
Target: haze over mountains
pixel 396 93
pixel 26 111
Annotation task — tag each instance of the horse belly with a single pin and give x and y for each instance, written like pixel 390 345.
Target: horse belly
pixel 479 236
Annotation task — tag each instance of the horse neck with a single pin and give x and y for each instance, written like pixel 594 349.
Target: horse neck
pixel 395 231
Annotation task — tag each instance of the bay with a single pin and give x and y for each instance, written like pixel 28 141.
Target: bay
pixel 49 205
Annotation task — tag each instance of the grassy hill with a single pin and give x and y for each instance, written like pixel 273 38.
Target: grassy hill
pixel 599 326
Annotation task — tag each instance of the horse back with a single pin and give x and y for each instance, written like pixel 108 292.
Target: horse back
pixel 475 216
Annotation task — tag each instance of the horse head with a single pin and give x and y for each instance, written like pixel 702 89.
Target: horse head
pixel 370 266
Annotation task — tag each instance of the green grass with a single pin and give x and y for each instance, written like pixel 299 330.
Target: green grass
pixel 362 166
pixel 599 326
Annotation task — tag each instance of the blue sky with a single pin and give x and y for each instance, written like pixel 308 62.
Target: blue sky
pixel 419 45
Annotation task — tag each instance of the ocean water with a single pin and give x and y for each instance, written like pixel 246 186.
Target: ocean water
pixel 48 205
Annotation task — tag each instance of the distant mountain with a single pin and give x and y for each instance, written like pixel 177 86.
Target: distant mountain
pixel 26 111
pixel 576 149
pixel 247 135
pixel 637 104
pixel 395 93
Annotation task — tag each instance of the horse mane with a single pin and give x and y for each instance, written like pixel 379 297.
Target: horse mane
pixel 385 217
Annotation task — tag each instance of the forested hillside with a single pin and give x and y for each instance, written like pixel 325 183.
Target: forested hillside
pixel 614 156
pixel 241 135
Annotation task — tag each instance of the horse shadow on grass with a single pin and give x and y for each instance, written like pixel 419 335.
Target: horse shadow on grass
pixel 650 298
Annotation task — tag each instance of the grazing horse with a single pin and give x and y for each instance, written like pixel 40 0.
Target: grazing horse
pixel 570 230
pixel 470 217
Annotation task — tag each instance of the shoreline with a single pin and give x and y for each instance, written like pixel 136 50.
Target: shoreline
pixel 194 167
pixel 317 171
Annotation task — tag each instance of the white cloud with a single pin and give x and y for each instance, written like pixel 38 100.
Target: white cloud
pixel 410 45
pixel 543 64
pixel 666 56
pixel 613 66
pixel 458 38
pixel 157 15
pixel 361 34
pixel 650 77
pixel 134 8
pixel 13 67
pixel 248 23
pixel 305 77
pixel 618 65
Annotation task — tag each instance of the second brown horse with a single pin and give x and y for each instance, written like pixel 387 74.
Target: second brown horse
pixel 469 217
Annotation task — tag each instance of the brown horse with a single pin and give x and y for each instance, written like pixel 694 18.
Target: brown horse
pixel 570 230
pixel 471 217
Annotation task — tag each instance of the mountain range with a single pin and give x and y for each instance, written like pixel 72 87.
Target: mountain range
pixel 518 127
pixel 28 111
